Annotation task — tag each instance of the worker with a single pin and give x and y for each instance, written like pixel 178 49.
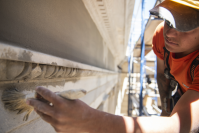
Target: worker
pixel 176 44
pixel 179 35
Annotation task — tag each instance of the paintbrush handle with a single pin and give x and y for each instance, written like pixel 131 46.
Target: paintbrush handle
pixel 68 94
pixel 72 94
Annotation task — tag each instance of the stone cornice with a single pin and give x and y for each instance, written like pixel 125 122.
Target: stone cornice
pixel 113 20
pixel 99 15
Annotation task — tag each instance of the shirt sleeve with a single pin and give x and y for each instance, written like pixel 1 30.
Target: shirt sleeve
pixel 195 82
pixel 158 41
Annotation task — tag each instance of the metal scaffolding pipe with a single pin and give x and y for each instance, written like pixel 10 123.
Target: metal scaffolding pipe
pixel 142 61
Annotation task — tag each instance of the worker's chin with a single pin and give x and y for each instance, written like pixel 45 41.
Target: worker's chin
pixel 171 49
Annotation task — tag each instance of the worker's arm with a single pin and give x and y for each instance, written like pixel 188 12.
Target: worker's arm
pixel 163 84
pixel 76 117
pixel 183 119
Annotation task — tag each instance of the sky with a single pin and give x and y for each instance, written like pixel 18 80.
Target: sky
pixel 135 31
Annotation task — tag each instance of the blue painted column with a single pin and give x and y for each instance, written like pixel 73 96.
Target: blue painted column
pixel 130 70
pixel 142 61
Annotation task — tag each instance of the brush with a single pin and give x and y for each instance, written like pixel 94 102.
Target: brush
pixel 14 100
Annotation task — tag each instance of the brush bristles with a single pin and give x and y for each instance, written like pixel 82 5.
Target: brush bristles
pixel 16 101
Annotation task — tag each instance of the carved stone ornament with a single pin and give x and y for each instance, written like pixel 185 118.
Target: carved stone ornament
pixel 18 70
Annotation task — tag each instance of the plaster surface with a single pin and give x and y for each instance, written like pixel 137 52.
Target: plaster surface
pixel 35 127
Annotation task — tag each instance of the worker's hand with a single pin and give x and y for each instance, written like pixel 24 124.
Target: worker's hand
pixel 69 116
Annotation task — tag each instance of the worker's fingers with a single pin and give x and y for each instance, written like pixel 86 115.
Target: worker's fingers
pixel 48 95
pixel 45 117
pixel 41 106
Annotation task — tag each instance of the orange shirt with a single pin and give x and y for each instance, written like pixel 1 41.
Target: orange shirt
pixel 180 68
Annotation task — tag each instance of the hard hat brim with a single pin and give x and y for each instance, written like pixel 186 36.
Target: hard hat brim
pixel 182 18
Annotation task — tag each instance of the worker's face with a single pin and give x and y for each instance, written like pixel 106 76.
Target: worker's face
pixel 181 43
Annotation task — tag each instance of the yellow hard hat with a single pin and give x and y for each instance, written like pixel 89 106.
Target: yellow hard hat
pixel 191 3
pixel 183 15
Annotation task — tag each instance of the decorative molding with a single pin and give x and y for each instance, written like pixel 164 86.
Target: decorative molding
pixel 17 70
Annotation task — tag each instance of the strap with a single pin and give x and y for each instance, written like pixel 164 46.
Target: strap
pixel 169 102
pixel 173 83
pixel 194 64
pixel 166 58
pixel 167 68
